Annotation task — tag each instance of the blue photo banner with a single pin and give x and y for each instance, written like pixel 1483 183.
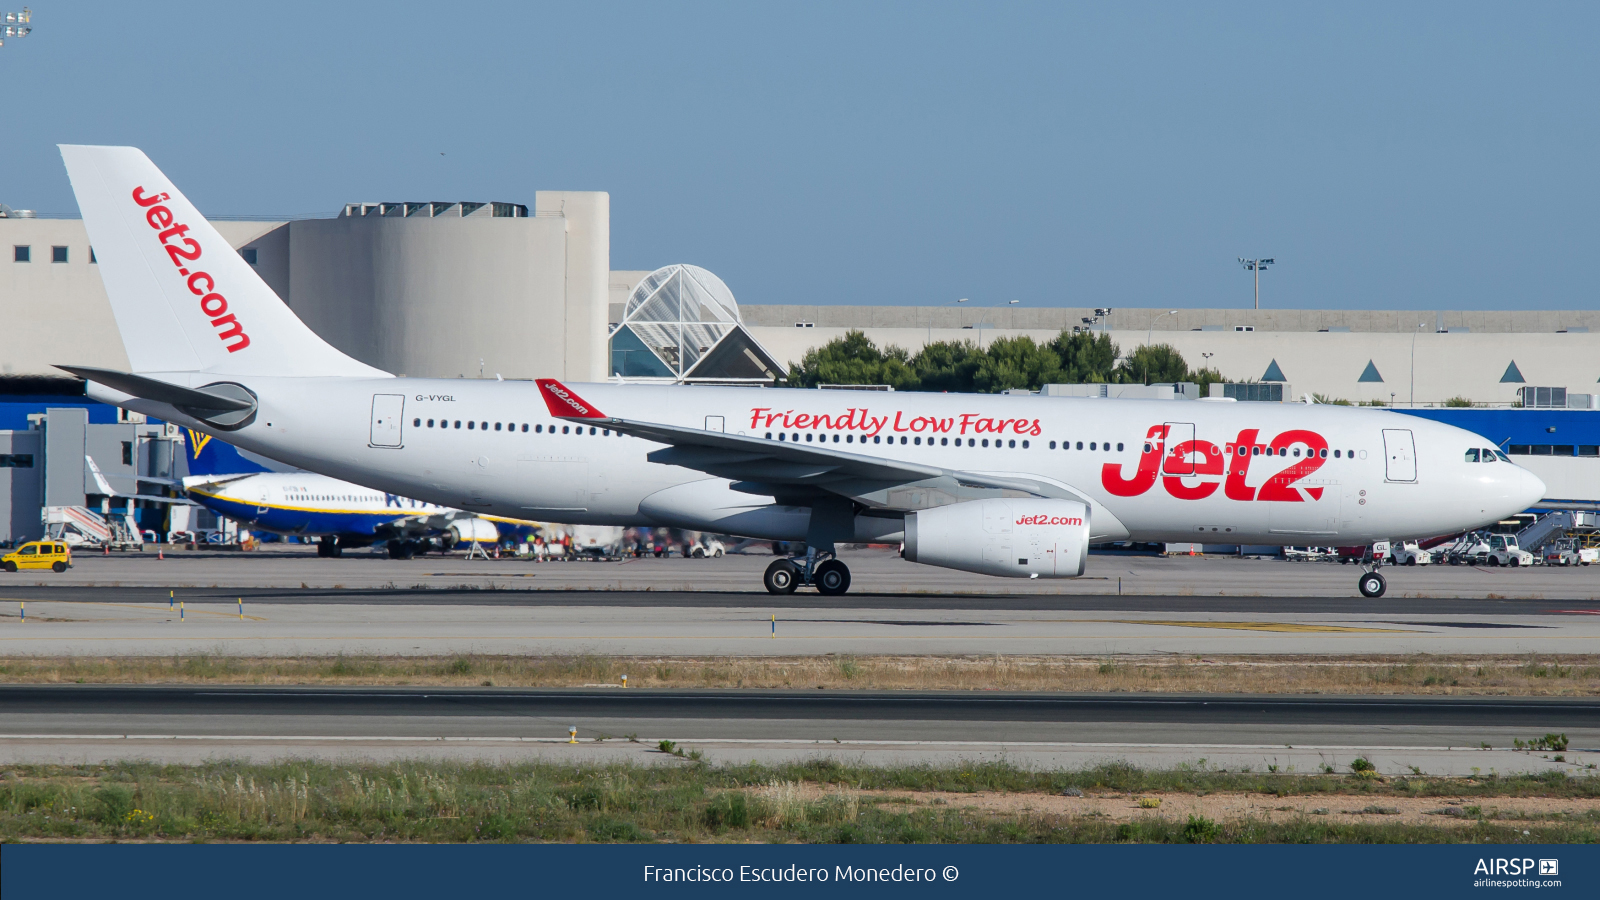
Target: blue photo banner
pixel 309 872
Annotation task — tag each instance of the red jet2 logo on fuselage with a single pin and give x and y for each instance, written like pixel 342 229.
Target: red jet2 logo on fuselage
pixel 212 304
pixel 1203 460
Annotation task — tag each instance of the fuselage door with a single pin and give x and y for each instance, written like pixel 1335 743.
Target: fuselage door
pixel 1399 455
pixel 1180 446
pixel 388 411
pixel 716 423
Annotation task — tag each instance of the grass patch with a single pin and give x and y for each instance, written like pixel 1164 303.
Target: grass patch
pixel 815 801
pixel 1574 675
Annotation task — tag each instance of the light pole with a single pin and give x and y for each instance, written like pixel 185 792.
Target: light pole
pixel 985 316
pixel 1151 330
pixel 1148 332
pixel 1420 326
pixel 1255 266
pixel 15 25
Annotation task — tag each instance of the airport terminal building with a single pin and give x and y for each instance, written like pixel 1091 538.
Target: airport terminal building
pixel 517 291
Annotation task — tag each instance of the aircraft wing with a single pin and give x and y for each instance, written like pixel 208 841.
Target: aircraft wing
pixel 791 472
pixel 416 526
pixel 194 481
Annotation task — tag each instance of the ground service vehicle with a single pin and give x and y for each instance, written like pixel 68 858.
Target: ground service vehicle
pixel 1000 485
pixel 1503 551
pixel 1566 552
pixel 1407 553
pixel 53 555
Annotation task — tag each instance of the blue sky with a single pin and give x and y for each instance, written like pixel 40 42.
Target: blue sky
pixel 1424 155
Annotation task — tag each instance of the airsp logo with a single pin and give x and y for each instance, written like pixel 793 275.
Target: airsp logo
pixel 1502 866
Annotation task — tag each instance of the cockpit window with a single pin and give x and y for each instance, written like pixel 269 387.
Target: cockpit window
pixel 1502 456
pixel 1472 455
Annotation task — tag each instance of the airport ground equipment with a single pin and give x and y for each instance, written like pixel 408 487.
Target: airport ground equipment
pixel 1553 526
pixel 1503 551
pixel 83 527
pixel 1407 553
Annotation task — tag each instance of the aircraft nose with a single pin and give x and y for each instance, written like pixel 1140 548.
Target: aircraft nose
pixel 1528 488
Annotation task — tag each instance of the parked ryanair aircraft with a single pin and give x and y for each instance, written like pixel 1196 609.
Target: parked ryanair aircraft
pixel 1009 486
pixel 339 513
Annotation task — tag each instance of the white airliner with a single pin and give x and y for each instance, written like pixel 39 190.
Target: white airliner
pixel 1010 486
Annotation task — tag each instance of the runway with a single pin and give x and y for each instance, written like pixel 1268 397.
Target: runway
pixel 751 625
pixel 877 573
pixel 183 723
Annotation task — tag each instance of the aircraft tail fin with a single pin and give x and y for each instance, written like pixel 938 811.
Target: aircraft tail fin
pixel 210 456
pixel 184 300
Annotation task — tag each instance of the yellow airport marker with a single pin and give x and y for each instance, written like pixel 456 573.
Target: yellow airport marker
pixel 572 732
pixel 624 681
pixel 774 626
pixel 169 601
pixel 241 609
pixel 24 605
pixel 180 610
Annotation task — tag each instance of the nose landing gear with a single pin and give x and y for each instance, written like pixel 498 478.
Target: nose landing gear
pixel 1372 584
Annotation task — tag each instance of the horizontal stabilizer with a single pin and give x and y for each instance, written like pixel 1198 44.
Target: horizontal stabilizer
pixel 159 391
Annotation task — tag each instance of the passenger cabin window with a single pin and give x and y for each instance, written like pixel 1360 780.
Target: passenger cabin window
pixel 21 253
pixel 58 254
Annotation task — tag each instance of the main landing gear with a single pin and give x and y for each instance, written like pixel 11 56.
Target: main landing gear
pixel 328 546
pixel 830 577
pixel 832 520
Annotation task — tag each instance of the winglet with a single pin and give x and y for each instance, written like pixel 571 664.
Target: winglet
pixel 563 403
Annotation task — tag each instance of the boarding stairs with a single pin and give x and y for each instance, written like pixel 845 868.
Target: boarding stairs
pixel 82 526
pixel 1555 525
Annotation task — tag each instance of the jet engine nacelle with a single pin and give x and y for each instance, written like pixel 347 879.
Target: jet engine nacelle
pixel 1011 538
pixel 465 531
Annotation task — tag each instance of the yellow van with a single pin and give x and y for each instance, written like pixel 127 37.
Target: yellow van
pixel 53 555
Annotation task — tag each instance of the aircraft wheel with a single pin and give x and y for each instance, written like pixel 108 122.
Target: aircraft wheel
pixel 832 578
pixel 1372 585
pixel 782 577
pixel 58 568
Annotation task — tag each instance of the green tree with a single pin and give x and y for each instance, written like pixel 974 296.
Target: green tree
pixel 950 366
pixel 1017 363
pixel 1085 359
pixel 1152 364
pixel 853 359
pixel 1205 378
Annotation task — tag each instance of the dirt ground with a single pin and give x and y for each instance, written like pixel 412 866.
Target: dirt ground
pixel 1228 807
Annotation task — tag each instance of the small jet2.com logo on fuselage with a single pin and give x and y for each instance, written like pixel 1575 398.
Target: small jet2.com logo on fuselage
pixel 1050 520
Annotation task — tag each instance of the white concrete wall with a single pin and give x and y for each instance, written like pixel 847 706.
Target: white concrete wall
pixel 431 297
pixel 587 215
pixel 1565 477
pixel 58 312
